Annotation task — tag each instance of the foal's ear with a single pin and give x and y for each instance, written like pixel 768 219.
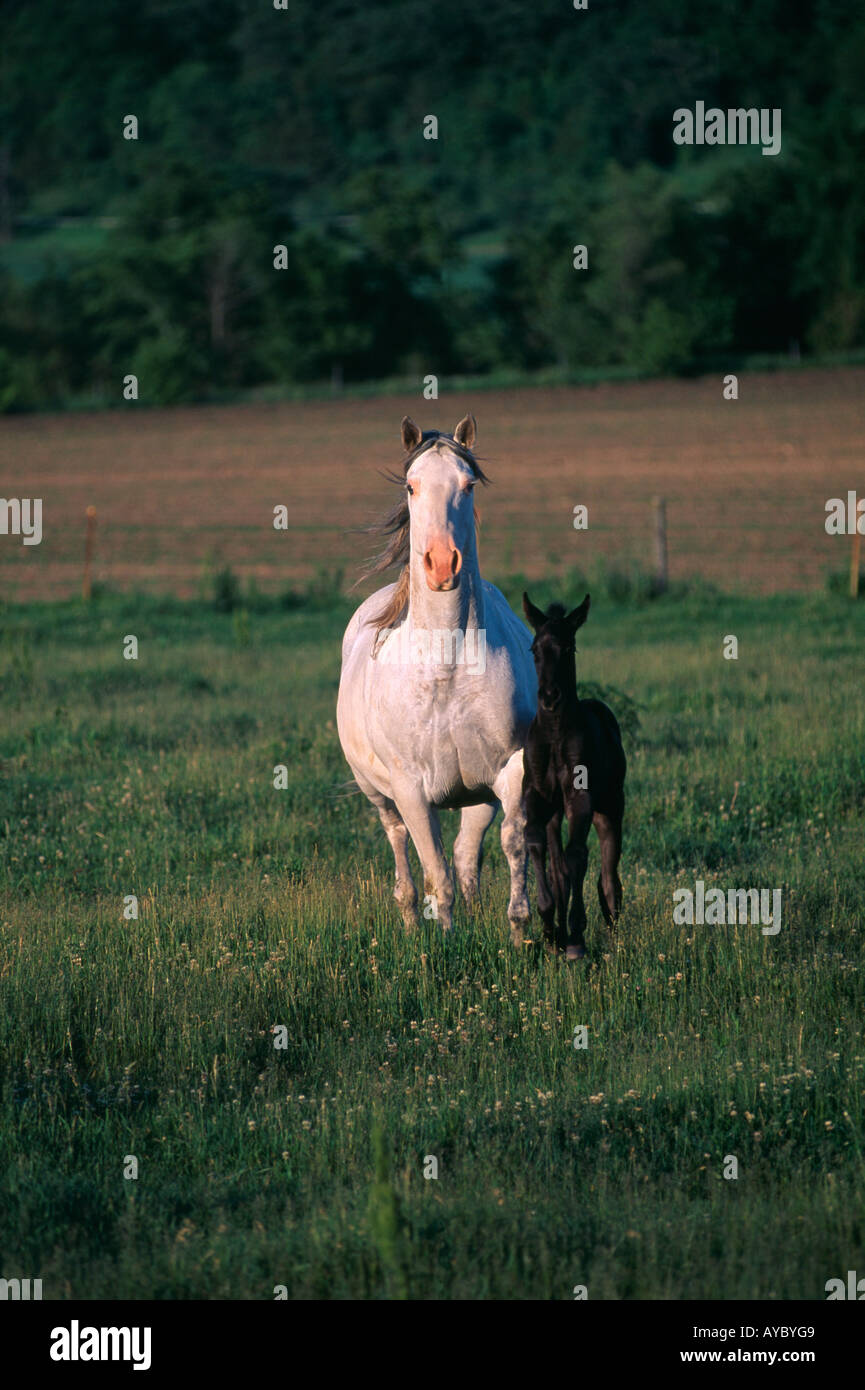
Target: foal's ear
pixel 534 615
pixel 466 431
pixel 411 434
pixel 579 615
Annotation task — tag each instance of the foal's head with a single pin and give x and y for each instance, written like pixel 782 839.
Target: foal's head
pixel 554 651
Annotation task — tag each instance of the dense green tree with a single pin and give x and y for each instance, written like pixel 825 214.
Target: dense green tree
pixel 304 127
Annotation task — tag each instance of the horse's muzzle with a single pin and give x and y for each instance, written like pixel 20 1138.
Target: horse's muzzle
pixel 441 566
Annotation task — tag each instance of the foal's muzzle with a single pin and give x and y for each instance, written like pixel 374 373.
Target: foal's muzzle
pixel 550 697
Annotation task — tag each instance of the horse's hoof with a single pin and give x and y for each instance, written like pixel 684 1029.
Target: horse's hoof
pixel 518 938
pixel 575 953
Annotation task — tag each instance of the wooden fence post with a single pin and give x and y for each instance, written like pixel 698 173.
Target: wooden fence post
pixel 86 585
pixel 661 573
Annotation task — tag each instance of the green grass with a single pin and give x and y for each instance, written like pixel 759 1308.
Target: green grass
pixel 303 1166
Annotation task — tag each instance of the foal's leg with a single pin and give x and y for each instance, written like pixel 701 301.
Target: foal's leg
pixel 576 859
pixel 508 787
pixel 474 823
pixel 423 826
pixel 559 876
pixel 396 832
pixel 537 813
pixel 609 830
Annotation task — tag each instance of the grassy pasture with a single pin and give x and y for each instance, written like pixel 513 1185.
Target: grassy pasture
pixel 746 483
pixel 304 1166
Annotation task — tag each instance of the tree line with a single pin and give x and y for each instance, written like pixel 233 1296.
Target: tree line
pixel 304 128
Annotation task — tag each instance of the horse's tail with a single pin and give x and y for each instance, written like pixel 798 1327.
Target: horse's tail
pixel 340 790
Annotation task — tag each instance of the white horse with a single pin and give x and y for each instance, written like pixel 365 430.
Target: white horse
pixel 438 686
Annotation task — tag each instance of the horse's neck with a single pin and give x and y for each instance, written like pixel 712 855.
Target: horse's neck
pixel 460 610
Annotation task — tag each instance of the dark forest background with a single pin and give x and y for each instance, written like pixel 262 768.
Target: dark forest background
pixel 304 127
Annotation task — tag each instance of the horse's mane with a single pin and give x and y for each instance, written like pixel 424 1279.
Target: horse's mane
pixel 395 526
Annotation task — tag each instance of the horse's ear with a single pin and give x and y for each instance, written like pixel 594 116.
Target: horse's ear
pixel 579 615
pixel 411 434
pixel 466 431
pixel 534 615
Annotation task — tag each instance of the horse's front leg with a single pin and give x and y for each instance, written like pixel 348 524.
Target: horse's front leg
pixel 579 811
pixel 508 787
pixel 538 812
pixel 423 825
pixel 474 823
pixel 396 832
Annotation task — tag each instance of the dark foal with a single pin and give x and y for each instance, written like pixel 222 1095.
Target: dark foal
pixel 574 767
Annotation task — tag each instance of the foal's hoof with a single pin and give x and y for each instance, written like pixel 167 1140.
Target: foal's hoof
pixel 575 953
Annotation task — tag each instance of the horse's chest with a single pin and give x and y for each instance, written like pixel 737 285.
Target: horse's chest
pixel 461 741
pixel 457 746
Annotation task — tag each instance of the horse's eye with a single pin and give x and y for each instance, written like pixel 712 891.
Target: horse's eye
pixel 409 489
